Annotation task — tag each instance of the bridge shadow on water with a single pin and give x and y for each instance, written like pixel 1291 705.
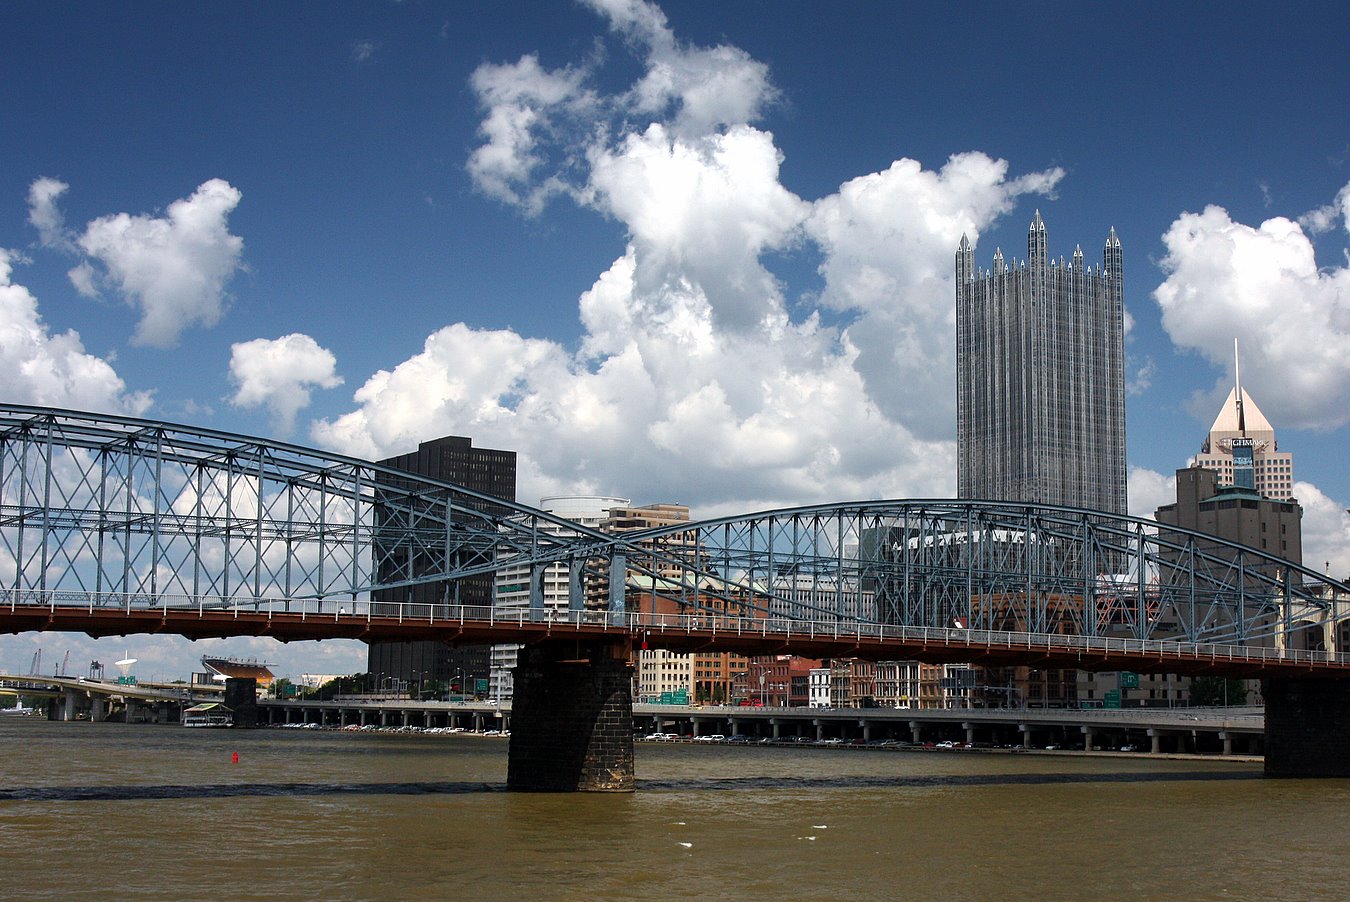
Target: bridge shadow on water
pixel 731 784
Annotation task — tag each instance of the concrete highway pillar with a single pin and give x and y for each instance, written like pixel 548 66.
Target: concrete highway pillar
pixel 970 732
pixel 1026 734
pixel 572 714
pixel 131 711
pixel 406 717
pixel 98 708
pixel 820 730
pixel 1227 738
pixel 915 732
pixel 1089 739
pixel 1155 737
pixel 68 706
pixel 866 729
pixel 773 722
pixel 1307 726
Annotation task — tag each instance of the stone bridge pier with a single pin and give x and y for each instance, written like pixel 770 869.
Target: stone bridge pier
pixel 1307 726
pixel 572 718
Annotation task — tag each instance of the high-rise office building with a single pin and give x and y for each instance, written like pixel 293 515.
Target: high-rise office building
pixel 451 459
pixel 1040 409
pixel 1242 450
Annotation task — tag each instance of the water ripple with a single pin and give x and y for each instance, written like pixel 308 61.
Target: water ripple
pixel 734 784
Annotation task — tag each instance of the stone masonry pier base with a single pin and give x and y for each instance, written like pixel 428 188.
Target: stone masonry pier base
pixel 572 718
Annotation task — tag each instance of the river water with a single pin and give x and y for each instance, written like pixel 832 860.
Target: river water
pixel 160 812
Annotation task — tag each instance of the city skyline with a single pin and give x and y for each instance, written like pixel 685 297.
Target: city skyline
pixel 675 253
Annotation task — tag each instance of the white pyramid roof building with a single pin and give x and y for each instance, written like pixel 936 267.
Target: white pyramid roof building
pixel 1244 419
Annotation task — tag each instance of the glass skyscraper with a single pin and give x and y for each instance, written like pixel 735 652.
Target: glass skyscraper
pixel 1040 412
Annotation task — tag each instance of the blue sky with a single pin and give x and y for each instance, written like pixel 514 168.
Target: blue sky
pixel 681 252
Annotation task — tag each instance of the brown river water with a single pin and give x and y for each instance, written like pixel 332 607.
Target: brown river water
pixel 161 812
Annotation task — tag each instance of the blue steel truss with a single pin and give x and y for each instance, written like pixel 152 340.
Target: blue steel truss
pixel 102 510
pixel 989 565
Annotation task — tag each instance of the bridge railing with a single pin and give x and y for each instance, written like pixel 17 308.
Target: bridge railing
pixel 652 627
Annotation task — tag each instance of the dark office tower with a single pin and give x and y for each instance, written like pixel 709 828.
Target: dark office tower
pixel 1040 405
pixel 451 459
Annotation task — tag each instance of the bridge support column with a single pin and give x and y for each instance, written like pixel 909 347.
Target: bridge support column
pixel 70 700
pixel 1227 738
pixel 1307 727
pixel 241 697
pixel 1026 734
pixel 572 713
pixel 1155 737
pixel 1089 738
pixel 970 732
pixel 98 709
pixel 915 733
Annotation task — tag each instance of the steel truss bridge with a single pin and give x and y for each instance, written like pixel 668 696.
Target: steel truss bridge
pixel 112 525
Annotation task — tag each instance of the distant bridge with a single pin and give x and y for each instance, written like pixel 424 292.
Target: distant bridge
pixel 112 525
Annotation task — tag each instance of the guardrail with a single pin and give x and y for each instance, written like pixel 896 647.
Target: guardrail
pixel 656 624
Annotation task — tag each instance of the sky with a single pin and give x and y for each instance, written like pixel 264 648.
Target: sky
pixel 683 252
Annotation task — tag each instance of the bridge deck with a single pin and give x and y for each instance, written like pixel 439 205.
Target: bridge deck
pixel 698 633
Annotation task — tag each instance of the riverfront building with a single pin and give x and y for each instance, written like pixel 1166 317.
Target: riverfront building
pixel 451 459
pixel 511 592
pixel 1040 404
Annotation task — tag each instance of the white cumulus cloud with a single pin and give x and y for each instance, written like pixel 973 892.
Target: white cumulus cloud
pixel 1326 532
pixel 174 268
pixel 38 367
pixel 45 216
pixel 696 379
pixel 280 373
pixel 1262 285
pixel 889 239
pixel 1149 490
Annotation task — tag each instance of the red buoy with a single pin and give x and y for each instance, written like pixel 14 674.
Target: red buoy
pixel 234 758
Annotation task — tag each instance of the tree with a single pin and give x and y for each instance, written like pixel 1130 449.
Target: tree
pixel 1212 691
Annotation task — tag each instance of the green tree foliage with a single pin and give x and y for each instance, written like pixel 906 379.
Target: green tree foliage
pixel 1212 691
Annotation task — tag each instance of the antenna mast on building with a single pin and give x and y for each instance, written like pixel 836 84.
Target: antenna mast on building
pixel 1237 388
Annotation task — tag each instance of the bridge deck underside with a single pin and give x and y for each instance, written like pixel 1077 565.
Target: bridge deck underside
pixel 951 648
